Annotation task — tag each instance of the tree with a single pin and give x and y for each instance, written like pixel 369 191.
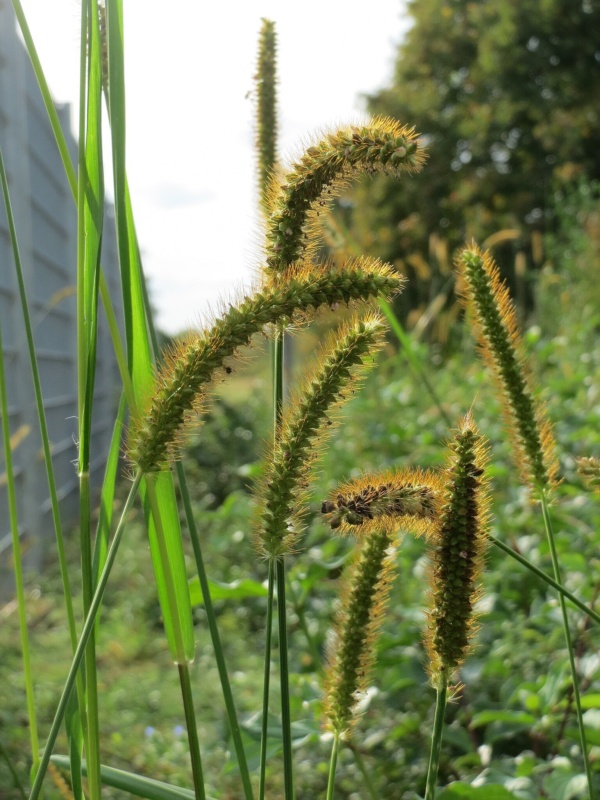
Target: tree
pixel 506 94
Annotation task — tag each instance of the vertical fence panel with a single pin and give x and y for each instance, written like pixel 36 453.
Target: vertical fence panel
pixel 46 228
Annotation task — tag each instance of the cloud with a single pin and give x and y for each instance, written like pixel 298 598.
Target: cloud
pixel 173 195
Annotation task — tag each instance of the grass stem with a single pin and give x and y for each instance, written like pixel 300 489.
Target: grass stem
pixel 332 766
pixel 563 608
pixel 266 682
pixel 544 577
pixel 436 738
pixel 232 718
pixel 192 730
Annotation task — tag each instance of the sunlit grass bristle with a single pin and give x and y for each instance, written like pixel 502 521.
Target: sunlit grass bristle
pixel 457 548
pixel 305 426
pixel 322 172
pixel 158 431
pixel 496 327
pixel 402 498
pixel 589 470
pixel 351 652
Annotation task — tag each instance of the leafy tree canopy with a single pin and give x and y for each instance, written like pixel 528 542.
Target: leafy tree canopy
pixel 506 94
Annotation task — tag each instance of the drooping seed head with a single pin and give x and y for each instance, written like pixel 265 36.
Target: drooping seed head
pixel 383 145
pixel 351 652
pixel 496 328
pixel 458 542
pixel 403 498
pixel 304 428
pixel 155 435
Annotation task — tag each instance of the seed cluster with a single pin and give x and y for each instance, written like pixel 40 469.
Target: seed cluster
pixel 384 145
pixel 304 427
pixel 496 328
pixel 155 435
pixel 266 105
pixel 457 546
pixel 405 498
pixel 364 593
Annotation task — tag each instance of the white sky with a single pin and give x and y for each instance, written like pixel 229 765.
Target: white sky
pixel 190 124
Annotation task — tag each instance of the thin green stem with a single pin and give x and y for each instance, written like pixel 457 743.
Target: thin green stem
pixel 192 730
pixel 13 772
pixel 360 763
pixel 332 765
pixel 284 681
pixel 17 566
pixel 414 362
pixel 563 608
pixel 211 618
pixel 544 577
pixel 85 634
pixel 266 682
pixel 436 738
pixel 310 641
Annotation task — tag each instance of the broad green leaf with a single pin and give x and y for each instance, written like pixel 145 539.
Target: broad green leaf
pixel 158 494
pixel 237 590
pixel 513 717
pixel 136 785
pixel 464 791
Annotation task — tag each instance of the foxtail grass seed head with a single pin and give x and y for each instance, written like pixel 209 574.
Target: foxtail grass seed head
pixel 589 470
pixel 458 543
pixel 364 596
pixel 496 328
pixel 304 428
pixel 155 436
pixel 405 498
pixel 266 106
pixel 323 171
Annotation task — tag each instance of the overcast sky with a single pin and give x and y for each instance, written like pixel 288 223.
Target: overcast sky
pixel 190 124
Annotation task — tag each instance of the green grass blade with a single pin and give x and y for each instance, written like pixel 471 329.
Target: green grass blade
pixel 159 495
pixel 137 785
pixel 108 494
pixel 13 772
pixel 90 220
pixel 80 649
pixel 205 594
pixel 16 545
pixel 60 545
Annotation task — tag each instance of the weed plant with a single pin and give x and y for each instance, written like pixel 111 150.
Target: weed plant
pixel 520 722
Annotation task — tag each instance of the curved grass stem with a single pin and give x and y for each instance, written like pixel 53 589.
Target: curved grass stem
pixel 544 577
pixel 436 738
pixel 563 608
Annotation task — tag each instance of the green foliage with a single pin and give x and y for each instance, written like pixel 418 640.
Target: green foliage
pixel 505 96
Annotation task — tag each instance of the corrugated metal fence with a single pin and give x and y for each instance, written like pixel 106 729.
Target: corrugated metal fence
pixel 46 228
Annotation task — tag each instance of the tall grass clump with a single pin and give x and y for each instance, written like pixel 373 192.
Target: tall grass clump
pixel 164 396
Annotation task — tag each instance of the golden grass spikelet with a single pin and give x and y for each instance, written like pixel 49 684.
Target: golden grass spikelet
pixel 589 470
pixel 402 498
pixel 457 545
pixel 180 386
pixel 351 652
pixel 496 328
pixel 313 182
pixel 304 427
